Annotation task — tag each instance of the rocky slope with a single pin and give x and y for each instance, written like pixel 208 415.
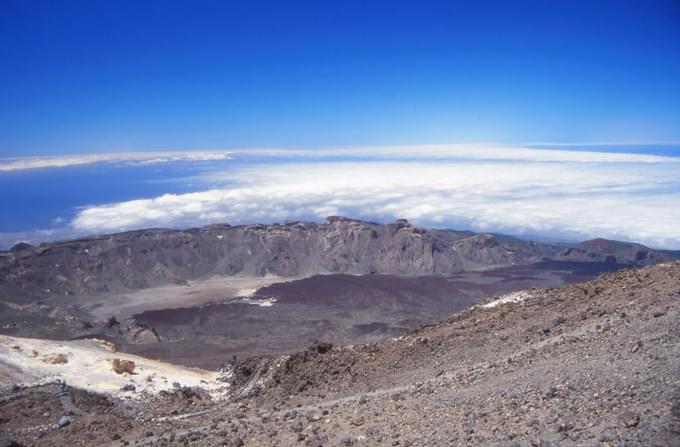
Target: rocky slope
pixel 596 363
pixel 141 259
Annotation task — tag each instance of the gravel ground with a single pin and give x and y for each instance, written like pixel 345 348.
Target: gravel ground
pixel 596 363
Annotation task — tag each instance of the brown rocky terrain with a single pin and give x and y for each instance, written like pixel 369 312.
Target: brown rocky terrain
pixel 147 258
pixel 206 323
pixel 595 363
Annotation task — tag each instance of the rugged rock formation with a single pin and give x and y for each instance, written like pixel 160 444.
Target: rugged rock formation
pixel 146 258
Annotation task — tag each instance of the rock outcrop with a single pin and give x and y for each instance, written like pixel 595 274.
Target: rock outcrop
pixel 122 366
pixel 147 258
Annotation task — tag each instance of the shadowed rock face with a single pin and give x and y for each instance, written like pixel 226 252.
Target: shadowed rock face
pixel 146 258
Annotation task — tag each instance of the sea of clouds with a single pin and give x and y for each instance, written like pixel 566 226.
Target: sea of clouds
pixel 551 194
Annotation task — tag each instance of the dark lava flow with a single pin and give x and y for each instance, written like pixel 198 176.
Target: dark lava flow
pixel 343 309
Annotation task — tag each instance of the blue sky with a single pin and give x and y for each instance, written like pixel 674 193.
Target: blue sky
pixel 96 76
pixel 117 115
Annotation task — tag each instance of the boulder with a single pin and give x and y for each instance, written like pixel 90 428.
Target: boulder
pixel 120 366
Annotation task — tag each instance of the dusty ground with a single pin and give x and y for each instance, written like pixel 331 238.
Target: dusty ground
pixel 590 364
pixel 194 293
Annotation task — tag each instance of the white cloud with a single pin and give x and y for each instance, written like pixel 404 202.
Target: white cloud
pixel 421 152
pixel 22 163
pixel 635 197
pixel 464 152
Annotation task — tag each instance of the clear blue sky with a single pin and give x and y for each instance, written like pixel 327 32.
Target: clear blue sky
pixel 100 76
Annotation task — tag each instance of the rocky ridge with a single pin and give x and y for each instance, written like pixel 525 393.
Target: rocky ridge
pixel 147 258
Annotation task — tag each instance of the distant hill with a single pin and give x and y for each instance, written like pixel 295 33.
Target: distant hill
pixel 152 257
pixel 673 254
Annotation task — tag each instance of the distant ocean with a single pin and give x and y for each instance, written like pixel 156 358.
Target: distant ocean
pixel 46 198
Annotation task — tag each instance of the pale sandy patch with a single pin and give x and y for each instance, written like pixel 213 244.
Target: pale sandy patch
pixel 196 293
pixel 514 297
pixel 88 366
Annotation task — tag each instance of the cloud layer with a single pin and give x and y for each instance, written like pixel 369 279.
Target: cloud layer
pixel 461 152
pixel 422 152
pixel 142 158
pixel 556 194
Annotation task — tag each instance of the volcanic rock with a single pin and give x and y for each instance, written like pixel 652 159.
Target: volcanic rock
pixel 122 366
pixel 146 258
